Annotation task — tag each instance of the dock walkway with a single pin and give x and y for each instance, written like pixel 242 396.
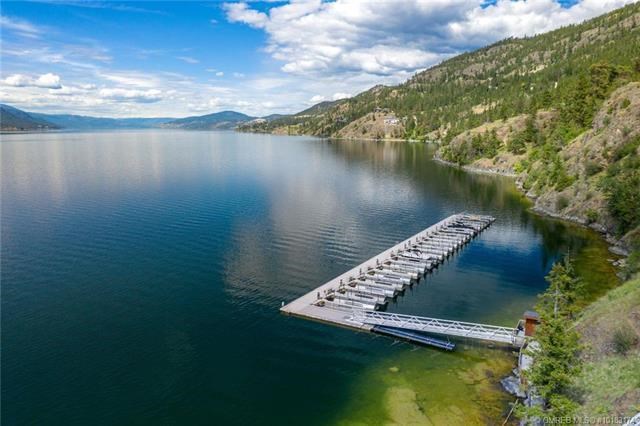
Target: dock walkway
pixel 493 333
pixel 353 298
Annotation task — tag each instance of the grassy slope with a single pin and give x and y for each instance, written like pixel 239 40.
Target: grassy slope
pixel 610 382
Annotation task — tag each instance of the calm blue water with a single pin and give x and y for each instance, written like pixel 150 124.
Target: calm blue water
pixel 142 272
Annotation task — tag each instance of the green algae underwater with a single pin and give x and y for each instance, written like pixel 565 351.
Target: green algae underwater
pixel 427 387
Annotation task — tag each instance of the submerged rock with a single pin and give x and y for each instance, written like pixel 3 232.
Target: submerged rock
pixel 511 384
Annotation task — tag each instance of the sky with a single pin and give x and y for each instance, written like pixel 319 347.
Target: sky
pixel 177 59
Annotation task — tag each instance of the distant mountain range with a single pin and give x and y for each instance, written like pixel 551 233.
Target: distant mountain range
pixel 14 119
pixel 223 120
pixel 82 122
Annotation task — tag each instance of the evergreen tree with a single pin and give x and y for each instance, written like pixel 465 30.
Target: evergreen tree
pixel 561 297
pixel 556 360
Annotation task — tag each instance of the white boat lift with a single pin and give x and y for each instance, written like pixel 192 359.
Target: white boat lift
pixel 352 299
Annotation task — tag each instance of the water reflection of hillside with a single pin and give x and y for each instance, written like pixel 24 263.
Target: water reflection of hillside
pixel 435 179
pixel 462 190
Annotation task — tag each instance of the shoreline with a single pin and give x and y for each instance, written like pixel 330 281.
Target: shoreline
pixel 614 243
pixel 377 140
pixel 477 170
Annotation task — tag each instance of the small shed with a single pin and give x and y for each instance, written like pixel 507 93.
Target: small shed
pixel 531 320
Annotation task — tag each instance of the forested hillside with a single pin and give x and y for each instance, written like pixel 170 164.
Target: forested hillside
pixel 561 111
pixel 511 77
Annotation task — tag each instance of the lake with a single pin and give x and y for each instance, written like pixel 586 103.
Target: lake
pixel 142 273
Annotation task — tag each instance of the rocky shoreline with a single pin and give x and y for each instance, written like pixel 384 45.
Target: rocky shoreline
pixel 516 384
pixel 478 170
pixel 616 245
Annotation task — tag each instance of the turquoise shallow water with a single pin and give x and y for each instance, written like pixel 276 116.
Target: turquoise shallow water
pixel 142 272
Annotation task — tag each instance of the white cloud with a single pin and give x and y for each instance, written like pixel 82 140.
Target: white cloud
pixel 19 26
pixel 216 72
pixel 240 12
pixel 322 51
pixel 45 81
pixel 48 81
pixel 396 37
pixel 72 90
pixel 132 95
pixel 17 80
pixel 131 78
pixel 188 59
pixel 337 96
pixel 525 18
pixel 205 106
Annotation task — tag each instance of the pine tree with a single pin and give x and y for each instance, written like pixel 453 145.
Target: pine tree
pixel 561 297
pixel 556 360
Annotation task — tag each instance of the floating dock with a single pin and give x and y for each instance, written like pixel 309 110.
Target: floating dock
pixel 352 299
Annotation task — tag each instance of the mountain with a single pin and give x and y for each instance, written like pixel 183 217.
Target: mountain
pixel 224 120
pixel 17 120
pixel 13 119
pixel 277 123
pixel 81 122
pixel 498 81
pixel 319 108
pixel 273 117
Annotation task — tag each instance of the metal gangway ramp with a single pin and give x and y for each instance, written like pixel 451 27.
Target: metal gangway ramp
pixel 493 333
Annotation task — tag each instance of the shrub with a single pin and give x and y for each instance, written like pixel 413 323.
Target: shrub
pixel 592 167
pixel 632 265
pixel 624 338
pixel 628 148
pixel 564 181
pixel 592 215
pixel 519 167
pixel 621 188
pixel 562 203
pixel 625 103
pixel 517 144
